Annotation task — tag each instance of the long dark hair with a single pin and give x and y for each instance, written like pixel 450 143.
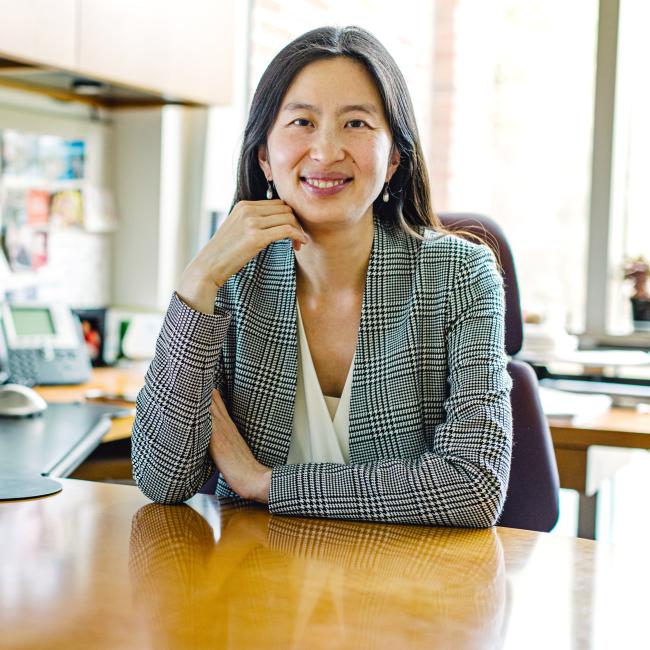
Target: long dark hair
pixel 410 205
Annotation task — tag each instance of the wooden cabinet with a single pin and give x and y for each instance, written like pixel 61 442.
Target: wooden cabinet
pixel 180 49
pixel 39 31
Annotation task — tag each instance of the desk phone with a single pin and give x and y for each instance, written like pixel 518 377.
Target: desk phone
pixel 42 344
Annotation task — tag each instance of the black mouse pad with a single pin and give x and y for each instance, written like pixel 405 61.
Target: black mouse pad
pixel 53 443
pixel 27 488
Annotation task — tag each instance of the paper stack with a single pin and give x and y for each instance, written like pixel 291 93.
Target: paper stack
pixel 574 408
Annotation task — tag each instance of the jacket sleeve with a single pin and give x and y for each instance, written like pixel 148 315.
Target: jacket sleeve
pixel 172 428
pixel 462 478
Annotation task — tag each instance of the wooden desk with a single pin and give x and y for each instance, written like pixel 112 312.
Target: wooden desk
pixel 99 566
pixel 111 380
pixel 115 381
pixel 619 428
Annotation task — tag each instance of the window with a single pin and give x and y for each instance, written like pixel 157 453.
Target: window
pixel 630 211
pixel 513 109
pixel 504 97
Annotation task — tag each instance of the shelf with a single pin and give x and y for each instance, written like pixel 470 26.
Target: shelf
pixel 59 84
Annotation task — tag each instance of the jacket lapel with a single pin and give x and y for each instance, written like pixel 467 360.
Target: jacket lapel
pixel 383 371
pixel 266 398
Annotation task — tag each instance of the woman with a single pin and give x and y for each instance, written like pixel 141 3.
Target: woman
pixel 331 351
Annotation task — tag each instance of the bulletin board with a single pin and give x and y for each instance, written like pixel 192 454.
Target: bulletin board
pixel 54 222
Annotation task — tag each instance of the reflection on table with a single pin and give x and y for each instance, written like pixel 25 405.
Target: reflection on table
pixel 98 566
pixel 313 583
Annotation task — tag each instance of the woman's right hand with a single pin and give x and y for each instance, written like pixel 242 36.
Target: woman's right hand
pixel 249 228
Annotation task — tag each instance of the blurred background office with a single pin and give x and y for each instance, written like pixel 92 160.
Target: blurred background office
pixel 120 125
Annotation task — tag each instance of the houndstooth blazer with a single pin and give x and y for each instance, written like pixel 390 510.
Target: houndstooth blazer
pixel 430 421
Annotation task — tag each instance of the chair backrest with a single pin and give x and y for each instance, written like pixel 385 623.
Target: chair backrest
pixel 492 234
pixel 532 501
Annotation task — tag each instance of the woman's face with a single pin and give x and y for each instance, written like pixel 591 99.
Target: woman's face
pixel 330 150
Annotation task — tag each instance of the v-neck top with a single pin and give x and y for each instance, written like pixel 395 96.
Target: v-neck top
pixel 320 422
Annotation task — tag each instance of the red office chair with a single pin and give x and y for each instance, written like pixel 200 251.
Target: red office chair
pixel 532 500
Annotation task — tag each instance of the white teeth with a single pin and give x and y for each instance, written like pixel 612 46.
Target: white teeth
pixel 323 184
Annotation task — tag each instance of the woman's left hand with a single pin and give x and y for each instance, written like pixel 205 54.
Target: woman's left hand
pixel 233 458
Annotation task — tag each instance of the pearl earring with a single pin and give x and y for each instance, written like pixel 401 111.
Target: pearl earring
pixel 385 197
pixel 269 191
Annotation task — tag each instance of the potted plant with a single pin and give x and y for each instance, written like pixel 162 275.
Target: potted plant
pixel 638 270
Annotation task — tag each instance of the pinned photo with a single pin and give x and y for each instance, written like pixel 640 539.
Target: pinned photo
pixel 14 207
pixel 67 208
pixel 38 207
pixel 20 154
pixel 26 248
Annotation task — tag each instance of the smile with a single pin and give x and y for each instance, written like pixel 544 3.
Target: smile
pixel 317 182
pixel 324 187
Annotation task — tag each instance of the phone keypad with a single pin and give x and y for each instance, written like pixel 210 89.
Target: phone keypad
pixel 23 366
pixel 29 367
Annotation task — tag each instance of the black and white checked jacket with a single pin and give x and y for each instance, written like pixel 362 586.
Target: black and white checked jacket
pixel 430 422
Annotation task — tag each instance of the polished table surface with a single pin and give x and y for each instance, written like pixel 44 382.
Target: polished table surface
pixel 100 566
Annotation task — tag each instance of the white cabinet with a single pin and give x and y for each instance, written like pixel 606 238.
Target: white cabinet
pixel 39 31
pixel 179 50
pixel 182 50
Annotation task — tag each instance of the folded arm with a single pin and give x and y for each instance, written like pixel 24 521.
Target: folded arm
pixel 172 427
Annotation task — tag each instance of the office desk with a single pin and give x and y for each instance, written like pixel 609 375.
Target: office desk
pixel 99 566
pixel 579 467
pixel 110 380
pixel 112 465
pixel 619 428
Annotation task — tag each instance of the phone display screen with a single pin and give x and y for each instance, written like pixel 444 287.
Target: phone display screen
pixel 30 321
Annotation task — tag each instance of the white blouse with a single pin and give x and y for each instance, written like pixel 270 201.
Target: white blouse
pixel 320 422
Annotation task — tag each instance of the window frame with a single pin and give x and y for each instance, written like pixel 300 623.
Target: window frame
pixel 600 235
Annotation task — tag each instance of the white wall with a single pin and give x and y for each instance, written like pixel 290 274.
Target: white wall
pixel 137 143
pixel 159 169
pixel 224 133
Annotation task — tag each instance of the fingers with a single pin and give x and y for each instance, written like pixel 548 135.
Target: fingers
pixel 264 202
pixel 217 401
pixel 262 208
pixel 270 235
pixel 266 223
pixel 250 227
pixel 259 216
pixel 217 407
pixel 271 220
